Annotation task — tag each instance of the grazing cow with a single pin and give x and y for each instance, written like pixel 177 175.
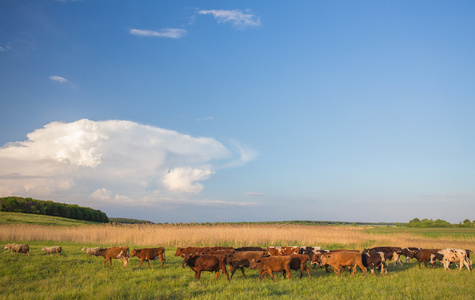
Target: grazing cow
pixel 114 253
pixel 248 249
pixel 18 248
pixel 343 259
pixel 210 263
pixel 447 256
pixel 299 261
pixel 374 260
pixel 242 259
pixel 422 255
pixel 92 251
pixel 51 250
pixel 269 265
pixel 390 253
pixel 407 252
pixel 149 254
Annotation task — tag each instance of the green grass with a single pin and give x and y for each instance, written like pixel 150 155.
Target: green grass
pixel 73 275
pixel 21 218
pixel 457 233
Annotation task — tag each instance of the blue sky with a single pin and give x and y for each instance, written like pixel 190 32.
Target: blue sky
pixel 196 111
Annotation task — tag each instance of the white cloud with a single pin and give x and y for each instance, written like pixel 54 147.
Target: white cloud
pixel 58 79
pixel 237 18
pixel 254 194
pixel 174 33
pixel 114 161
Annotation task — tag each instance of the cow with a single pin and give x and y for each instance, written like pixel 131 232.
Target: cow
pixel 51 250
pixel 447 256
pixel 407 252
pixel 309 250
pixel 91 251
pixel 390 253
pixel 209 263
pixel 299 261
pixel 114 253
pixel 190 250
pixel 274 251
pixel 147 254
pixel 422 255
pixel 18 248
pixel 316 258
pixel 290 250
pixel 269 265
pixel 242 259
pixel 374 260
pixel 343 259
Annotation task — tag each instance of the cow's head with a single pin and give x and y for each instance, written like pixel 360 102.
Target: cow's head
pixel 133 253
pixel 253 263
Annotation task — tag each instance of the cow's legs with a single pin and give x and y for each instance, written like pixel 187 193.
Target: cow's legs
pixel 216 275
pixel 244 275
pixel 148 263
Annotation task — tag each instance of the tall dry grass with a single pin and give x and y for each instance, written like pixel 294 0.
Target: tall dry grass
pixel 229 235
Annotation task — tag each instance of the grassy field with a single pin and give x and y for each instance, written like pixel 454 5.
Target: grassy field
pixel 21 218
pixel 73 275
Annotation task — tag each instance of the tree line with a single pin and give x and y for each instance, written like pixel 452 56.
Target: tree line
pixel 416 222
pixel 51 208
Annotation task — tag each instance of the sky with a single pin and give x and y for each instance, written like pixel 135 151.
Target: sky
pixel 212 111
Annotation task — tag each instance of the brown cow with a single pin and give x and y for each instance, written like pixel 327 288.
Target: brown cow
pixel 268 265
pixel 290 250
pixel 242 259
pixel 273 251
pixel 299 261
pixel 422 255
pixel 374 260
pixel 114 253
pixel 210 263
pixel 149 254
pixel 248 249
pixel 343 259
pixel 190 250
pixel 407 252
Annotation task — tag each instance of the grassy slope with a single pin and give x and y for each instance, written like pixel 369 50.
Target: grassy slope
pixel 73 275
pixel 21 218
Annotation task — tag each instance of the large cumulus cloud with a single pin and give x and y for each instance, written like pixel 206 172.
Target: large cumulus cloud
pixel 112 161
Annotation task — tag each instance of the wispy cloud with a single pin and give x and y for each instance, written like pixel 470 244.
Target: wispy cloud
pixel 254 194
pixel 206 118
pixel 58 79
pixel 236 18
pixel 174 33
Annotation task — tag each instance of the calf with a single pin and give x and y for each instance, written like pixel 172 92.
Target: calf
pixel 447 256
pixel 423 255
pixel 299 261
pixel 114 253
pixel 51 250
pixel 343 259
pixel 147 254
pixel 210 263
pixel 18 248
pixel 242 259
pixel 269 265
pixel 374 260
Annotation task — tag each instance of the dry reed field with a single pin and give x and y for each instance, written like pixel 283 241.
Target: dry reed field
pixel 171 235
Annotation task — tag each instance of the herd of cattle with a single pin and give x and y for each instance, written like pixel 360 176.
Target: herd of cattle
pixel 276 259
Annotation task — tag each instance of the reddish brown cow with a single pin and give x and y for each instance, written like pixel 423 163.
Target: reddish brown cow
pixel 299 261
pixel 242 259
pixel 210 263
pixel 147 254
pixel 422 255
pixel 274 251
pixel 343 259
pixel 190 250
pixel 114 253
pixel 290 250
pixel 268 265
